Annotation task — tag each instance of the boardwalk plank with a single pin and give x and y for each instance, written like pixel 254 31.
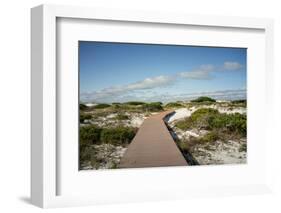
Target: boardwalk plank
pixel 153 146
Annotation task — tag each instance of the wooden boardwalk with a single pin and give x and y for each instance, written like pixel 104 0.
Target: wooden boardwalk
pixel 153 146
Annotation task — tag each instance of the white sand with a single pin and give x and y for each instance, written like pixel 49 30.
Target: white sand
pixel 221 153
pixel 189 133
pixel 137 120
pixel 113 115
pixel 236 110
pixel 90 104
pixel 179 114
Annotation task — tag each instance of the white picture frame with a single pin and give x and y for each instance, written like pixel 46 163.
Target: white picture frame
pixel 44 154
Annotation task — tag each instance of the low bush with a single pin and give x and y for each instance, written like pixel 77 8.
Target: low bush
pixel 173 104
pixel 183 145
pixel 90 135
pixel 203 112
pixel 211 119
pixel 184 124
pixel 86 153
pixel 93 134
pixel 189 145
pixel 243 148
pixel 210 137
pixel 230 122
pixel 198 119
pixel 242 101
pixel 135 103
pixel 122 117
pixel 158 102
pixel 117 135
pixel 153 107
pixel 84 117
pixel 203 99
pixel 82 107
pixel 101 106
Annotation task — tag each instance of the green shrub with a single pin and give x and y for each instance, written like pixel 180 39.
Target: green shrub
pixel 203 99
pixel 92 134
pixel 82 107
pixel 230 122
pixel 101 106
pixel 158 102
pixel 243 101
pixel 183 146
pixel 122 117
pixel 100 114
pixel 210 137
pixel 184 124
pixel 202 113
pixel 89 135
pixel 116 106
pixel 84 117
pixel 193 141
pixel 85 153
pixel 211 119
pixel 153 107
pixel 173 104
pixel 135 103
pixel 243 148
pixel 198 119
pixel 117 135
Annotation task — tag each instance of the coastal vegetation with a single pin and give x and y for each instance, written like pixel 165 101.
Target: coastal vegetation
pixel 198 126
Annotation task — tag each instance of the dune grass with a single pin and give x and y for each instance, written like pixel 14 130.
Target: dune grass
pixel 211 119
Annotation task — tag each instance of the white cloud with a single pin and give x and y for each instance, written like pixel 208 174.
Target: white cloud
pixel 218 95
pixel 207 67
pixel 150 83
pixel 197 74
pixel 168 97
pixel 230 65
pixel 109 92
pixel 203 72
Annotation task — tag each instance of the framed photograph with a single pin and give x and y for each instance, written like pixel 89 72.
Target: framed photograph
pixel 129 106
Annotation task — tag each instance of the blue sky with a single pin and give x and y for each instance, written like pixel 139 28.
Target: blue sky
pixel 120 72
